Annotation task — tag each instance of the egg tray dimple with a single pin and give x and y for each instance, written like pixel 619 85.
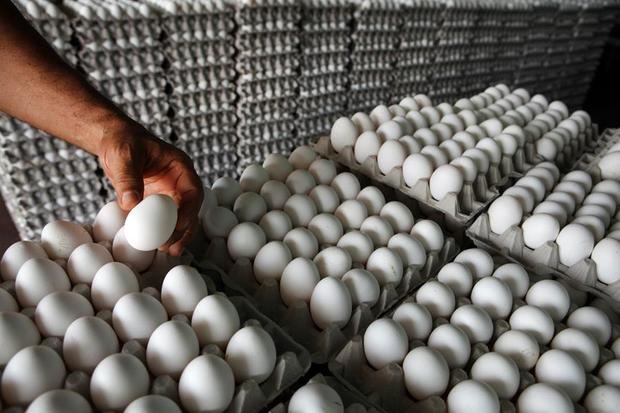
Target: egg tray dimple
pixel 459 209
pixel 542 260
pixel 238 276
pixel 351 401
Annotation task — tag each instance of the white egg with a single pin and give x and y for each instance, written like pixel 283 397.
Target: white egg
pixel 302 243
pixel 601 199
pixel 555 209
pixel 534 183
pixel 316 397
pixel 542 398
pixel 251 353
pixel 416 167
pixel 56 311
pixel 151 223
pixel 368 144
pixel 298 280
pixel 415 319
pixel 7 302
pixel 593 321
pixel 551 296
pixel 467 167
pixel 300 181
pixel 123 252
pixel 390 130
pixel 608 187
pixel 538 229
pixel 494 296
pixel 411 144
pixel 515 277
pixel 504 213
pixel 330 303
pixel 253 178
pixel 182 289
pixel 358 245
pixel 426 373
pixel 323 171
pixel 525 196
pixel 479 262
pixel 605 255
pixel 245 240
pixel 333 262
pixel 363 122
pixel 436 154
pixel 59 401
pixel 437 297
pixel 215 320
pixel 108 221
pixel 574 189
pixel 391 155
pixel 85 261
pixel 603 399
pixel 520 346
pixel 31 372
pixel 499 372
pixel 325 198
pixel 16 333
pixel 545 174
pixel 87 341
pixel 275 194
pixel 410 250
pixel 277 166
pixel 60 238
pixel 534 321
pixel 344 133
pixel 347 186
pixel 580 345
pixel 16 255
pixel 111 282
pixel 275 224
pixel 398 215
pixel 363 287
pixel 571 377
pixel 249 207
pixel 378 229
pixel 170 348
pixel 301 209
pixel 218 222
pixel 380 114
pixel 207 384
pixel 152 403
pixel 615 347
pixel 386 265
pixel 351 214
pixel 575 242
pixel 37 278
pixel 472 396
pixel 302 157
pixel 118 380
pixel 564 199
pixel 429 234
pixel 610 372
pixel 136 315
pixel 385 342
pixel 475 322
pixel 458 277
pixel 271 260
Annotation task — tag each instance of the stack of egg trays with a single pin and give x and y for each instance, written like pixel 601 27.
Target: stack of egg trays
pixel 352 402
pixel 43 178
pixel 267 62
pixel 416 47
pixel 199 47
pixel 374 50
pixel 324 66
pixel 121 55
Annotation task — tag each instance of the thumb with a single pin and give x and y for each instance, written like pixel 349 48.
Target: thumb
pixel 125 172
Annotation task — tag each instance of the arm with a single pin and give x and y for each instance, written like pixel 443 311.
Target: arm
pixel 38 87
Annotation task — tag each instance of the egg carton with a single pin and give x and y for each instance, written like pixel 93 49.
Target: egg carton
pixel 352 402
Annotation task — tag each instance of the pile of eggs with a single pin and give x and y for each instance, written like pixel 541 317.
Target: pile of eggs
pixel 77 329
pixel 451 145
pixel 325 240
pixel 509 341
pixel 574 213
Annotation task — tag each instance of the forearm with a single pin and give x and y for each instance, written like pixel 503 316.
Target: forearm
pixel 38 87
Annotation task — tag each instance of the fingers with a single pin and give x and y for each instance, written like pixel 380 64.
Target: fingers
pixel 123 166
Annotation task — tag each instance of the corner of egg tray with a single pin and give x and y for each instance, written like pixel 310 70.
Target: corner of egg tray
pixel 589 161
pixel 296 320
pixel 459 209
pixel 353 402
pixel 544 259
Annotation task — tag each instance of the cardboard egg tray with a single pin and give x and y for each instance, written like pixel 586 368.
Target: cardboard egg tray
pixel 589 160
pixel 352 402
pixel 238 276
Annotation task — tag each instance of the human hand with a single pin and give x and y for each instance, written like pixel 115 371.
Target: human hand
pixel 138 165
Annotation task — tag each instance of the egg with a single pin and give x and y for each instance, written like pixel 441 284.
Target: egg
pixel 16 255
pixel 59 401
pixel 504 213
pixel 520 346
pixel 609 372
pixel 111 282
pixel 323 171
pixel 378 229
pixel 31 372
pixel 151 223
pixel 275 224
pixel 136 315
pixel 170 348
pixel 302 243
pixel 538 229
pixel 437 297
pixel 429 234
pixel 605 255
pixel 372 198
pixel 551 296
pixel 60 238
pixel 363 122
pixel 206 384
pixel 300 181
pixel 218 222
pixel 479 262
pixel 535 184
pixel 277 166
pixel 344 133
pixel 411 144
pixel 118 380
pixel 245 240
pixel 347 186
pixel 472 395
pixel 271 260
pixel 302 157
pixel 427 137
pixel 250 207
pixel 493 296
pixel 57 310
pixel 300 210
pixel 602 399
pixel 275 194
pixel 554 209
pixel 515 277
pixel 410 250
pixel 317 397
pixel 325 198
pixel 458 277
pixel 385 342
pixel 37 278
pixel 253 178
pixel 608 187
pixel 436 154
pixel 564 199
pixel 386 265
pixel 570 378
pixel 351 213
pixel 108 221
pixel 391 155
pixel 534 321
pixel 452 148
pixel 17 332
pixel 575 242
pixel 123 252
pixel 152 403
pixel 474 321
pixel 606 201
pixel 580 345
pixel 182 289
pixel 215 320
pixel 226 190
pixel 333 262
pixel 298 280
pixel 415 319
pixel 398 215
pixel 417 119
pixel 543 397
pixel 525 196
pixel 330 303
pixel 574 189
pixel 85 261
pixel 368 144
pixel 363 287
pixel 87 341
pixel 593 321
pixel 251 353
pixel 499 372
pixel 7 302
pixel 416 167
pixel 426 373
pixel 357 244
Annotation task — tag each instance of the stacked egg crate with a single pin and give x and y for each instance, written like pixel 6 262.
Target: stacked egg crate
pixel 485 335
pixel 376 30
pixel 121 54
pixel 324 66
pixel 267 41
pixel 200 47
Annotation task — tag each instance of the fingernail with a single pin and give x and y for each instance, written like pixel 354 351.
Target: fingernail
pixel 129 198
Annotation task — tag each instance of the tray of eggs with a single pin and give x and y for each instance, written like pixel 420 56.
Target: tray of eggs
pixel 486 336
pixel 313 249
pixel 83 329
pixel 602 161
pixel 454 157
pixel 567 226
